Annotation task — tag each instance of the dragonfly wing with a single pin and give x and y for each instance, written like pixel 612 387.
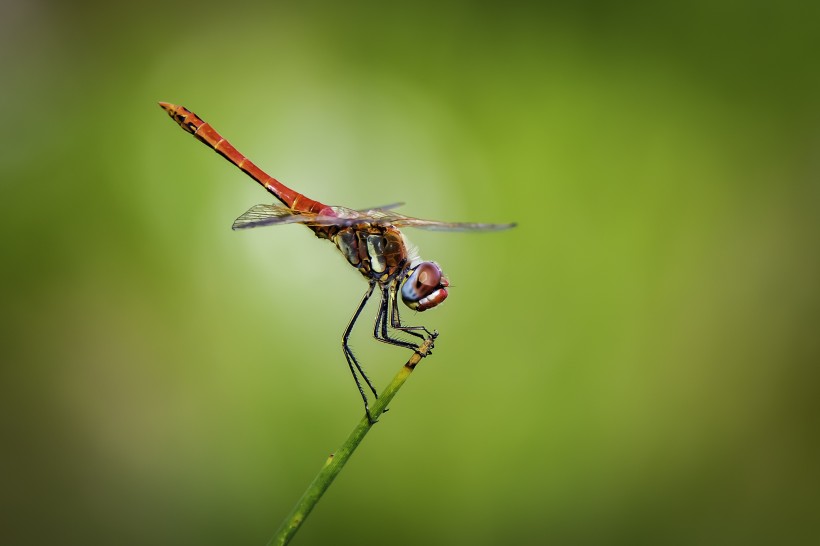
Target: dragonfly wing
pixel 268 215
pixel 433 225
pixel 383 207
pixel 400 220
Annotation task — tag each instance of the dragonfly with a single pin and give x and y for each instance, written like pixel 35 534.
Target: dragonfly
pixel 369 239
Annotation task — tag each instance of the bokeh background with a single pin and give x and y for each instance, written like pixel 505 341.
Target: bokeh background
pixel 636 363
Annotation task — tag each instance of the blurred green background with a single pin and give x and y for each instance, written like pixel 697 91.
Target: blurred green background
pixel 636 363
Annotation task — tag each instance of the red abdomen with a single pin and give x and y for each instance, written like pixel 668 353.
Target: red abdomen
pixel 208 135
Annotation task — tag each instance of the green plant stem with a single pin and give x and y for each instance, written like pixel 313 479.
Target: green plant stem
pixel 336 461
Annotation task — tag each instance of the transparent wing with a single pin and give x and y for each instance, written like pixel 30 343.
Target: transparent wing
pixel 270 215
pixel 384 216
pixel 400 220
pixel 267 215
pixel 383 207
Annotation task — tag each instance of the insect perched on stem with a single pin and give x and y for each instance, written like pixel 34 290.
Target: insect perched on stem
pixel 370 240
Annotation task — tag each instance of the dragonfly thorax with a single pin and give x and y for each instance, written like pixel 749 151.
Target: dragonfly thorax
pixel 378 252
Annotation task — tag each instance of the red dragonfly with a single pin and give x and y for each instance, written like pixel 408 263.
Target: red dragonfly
pixel 370 240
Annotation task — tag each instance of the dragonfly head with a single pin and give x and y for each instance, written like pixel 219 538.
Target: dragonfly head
pixel 424 286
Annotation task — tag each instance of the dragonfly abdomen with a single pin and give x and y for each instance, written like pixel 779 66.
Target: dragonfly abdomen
pixel 211 138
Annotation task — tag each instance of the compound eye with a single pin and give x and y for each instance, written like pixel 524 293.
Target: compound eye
pixel 424 287
pixel 428 278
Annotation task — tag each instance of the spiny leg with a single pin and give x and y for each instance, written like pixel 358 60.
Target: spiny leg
pixel 380 329
pixel 395 320
pixel 352 363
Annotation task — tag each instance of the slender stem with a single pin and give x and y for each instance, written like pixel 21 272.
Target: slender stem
pixel 336 461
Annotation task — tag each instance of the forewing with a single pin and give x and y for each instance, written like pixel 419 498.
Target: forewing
pixel 269 215
pixel 383 207
pixel 400 220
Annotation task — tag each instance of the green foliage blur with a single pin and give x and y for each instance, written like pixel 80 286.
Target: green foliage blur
pixel 635 363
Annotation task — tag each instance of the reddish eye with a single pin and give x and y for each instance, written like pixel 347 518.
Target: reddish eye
pixel 424 288
pixel 428 278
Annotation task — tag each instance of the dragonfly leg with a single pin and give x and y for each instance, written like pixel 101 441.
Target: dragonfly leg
pixel 380 328
pixel 352 363
pixel 395 320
